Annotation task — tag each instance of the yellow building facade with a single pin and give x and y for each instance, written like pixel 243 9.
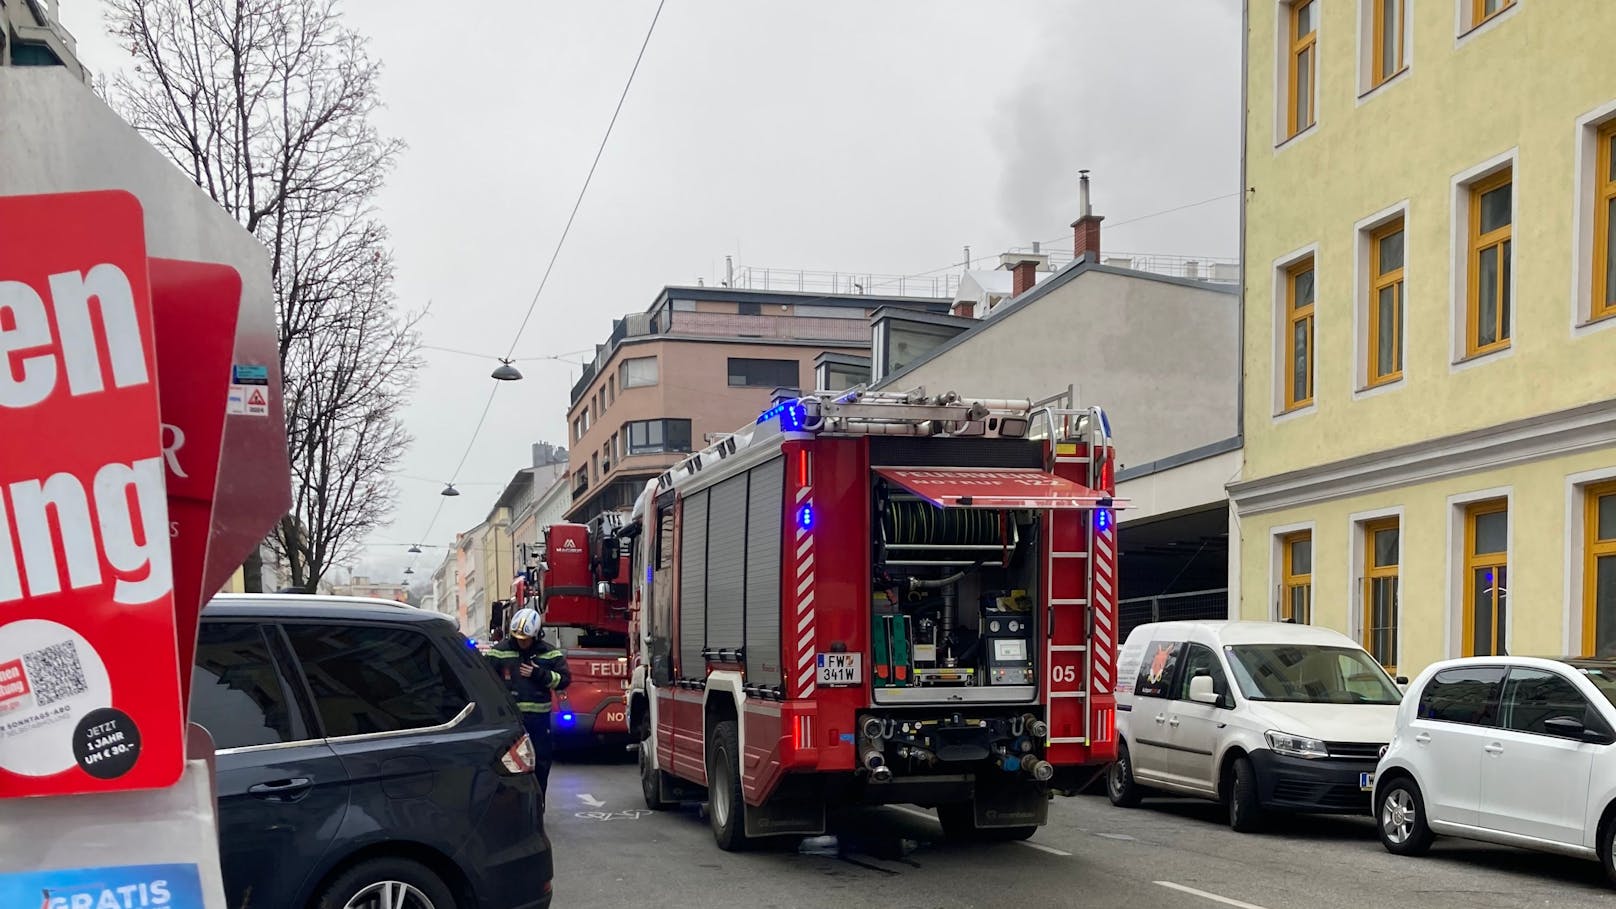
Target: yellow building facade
pixel 1430 325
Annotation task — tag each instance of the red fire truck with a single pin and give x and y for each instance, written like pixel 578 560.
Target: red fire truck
pixel 582 590
pixel 877 597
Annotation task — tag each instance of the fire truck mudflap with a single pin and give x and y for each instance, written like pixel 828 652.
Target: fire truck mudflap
pixel 878 598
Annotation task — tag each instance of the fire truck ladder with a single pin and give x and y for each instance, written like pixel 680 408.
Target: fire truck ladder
pixel 1068 426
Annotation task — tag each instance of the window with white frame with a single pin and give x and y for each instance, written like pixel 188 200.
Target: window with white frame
pixel 1384 29
pixel 639 372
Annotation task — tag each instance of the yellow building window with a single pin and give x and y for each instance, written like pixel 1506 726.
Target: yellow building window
pixel 1296 587
pixel 1486 580
pixel 1303 64
pixel 1491 217
pixel 1382 552
pixel 1604 301
pixel 1599 572
pixel 1299 291
pixel 1388 30
pixel 1386 304
pixel 1482 10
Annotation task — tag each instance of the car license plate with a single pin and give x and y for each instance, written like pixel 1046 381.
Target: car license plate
pixel 1366 782
pixel 840 669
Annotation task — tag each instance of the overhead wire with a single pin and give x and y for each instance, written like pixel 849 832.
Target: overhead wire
pixel 482 419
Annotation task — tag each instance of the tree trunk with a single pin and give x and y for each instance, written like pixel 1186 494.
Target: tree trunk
pixel 253 571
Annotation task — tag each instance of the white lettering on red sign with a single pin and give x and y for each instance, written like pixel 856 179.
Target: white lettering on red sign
pixel 36 514
pixel 33 377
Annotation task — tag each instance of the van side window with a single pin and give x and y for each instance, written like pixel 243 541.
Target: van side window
pixel 1199 660
pixel 1466 695
pixel 1157 668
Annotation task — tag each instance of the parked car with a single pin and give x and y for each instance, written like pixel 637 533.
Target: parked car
pixel 1262 716
pixel 367 757
pixel 1510 750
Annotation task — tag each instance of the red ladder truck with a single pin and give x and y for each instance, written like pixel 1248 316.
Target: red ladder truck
pixel 582 591
pixel 877 598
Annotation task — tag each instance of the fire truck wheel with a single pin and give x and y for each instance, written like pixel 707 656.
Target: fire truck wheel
pixel 727 809
pixel 651 779
pixel 1245 812
pixel 1119 783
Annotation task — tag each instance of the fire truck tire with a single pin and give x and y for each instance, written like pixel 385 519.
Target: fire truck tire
pixel 1245 811
pixel 959 826
pixel 1119 782
pixel 652 780
pixel 726 802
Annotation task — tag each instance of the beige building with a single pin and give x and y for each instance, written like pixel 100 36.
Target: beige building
pixel 700 361
pixel 1430 326
pixel 364 588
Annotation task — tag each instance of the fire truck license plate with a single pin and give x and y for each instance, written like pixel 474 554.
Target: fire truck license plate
pixel 840 669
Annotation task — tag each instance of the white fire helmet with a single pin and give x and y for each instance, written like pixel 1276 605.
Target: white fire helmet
pixel 525 623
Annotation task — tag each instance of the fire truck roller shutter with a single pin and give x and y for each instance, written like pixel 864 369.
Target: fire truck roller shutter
pixel 726 564
pixel 693 587
pixel 763 529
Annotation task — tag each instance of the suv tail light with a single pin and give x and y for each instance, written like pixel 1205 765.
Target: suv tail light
pixel 519 758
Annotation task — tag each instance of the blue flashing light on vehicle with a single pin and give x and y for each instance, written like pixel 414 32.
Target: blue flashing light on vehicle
pixel 805 516
pixel 1102 520
pixel 791 413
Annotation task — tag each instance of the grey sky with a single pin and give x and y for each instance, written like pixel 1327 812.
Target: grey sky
pixel 837 134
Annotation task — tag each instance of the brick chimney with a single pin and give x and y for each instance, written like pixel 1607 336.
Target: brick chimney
pixel 1086 229
pixel 965 309
pixel 1023 268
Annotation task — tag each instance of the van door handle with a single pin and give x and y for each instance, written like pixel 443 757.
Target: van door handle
pixel 1173 722
pixel 1161 718
pixel 1423 738
pixel 1494 748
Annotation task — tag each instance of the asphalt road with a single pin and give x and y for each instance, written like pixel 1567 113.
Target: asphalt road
pixel 610 852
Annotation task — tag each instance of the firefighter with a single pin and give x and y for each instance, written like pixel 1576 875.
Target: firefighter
pixel 533 670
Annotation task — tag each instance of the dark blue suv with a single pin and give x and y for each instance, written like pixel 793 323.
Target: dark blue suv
pixel 367 759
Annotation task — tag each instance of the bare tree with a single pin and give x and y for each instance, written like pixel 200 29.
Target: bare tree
pixel 267 105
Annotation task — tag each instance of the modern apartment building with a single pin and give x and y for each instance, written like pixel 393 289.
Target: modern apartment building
pixel 702 361
pixel 1430 325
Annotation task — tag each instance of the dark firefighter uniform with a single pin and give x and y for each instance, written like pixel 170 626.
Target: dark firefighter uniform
pixel 533 693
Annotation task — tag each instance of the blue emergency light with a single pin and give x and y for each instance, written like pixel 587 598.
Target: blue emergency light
pixel 805 516
pixel 791 413
pixel 1102 520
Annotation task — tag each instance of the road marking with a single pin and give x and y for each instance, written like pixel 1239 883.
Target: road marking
pixel 1207 896
pixel 1042 848
pixel 590 800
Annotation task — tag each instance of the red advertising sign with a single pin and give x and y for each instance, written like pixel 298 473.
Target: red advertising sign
pixel 86 583
pixel 194 306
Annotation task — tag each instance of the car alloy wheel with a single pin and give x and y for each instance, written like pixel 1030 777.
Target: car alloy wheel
pixel 1398 816
pixel 390 895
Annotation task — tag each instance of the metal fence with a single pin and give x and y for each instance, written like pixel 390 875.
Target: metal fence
pixel 1196 604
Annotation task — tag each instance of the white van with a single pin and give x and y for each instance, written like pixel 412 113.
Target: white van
pixel 1262 716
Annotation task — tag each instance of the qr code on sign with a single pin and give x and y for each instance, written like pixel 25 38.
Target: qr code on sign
pixel 55 673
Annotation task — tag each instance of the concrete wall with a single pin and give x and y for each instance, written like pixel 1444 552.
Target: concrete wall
pixel 1159 356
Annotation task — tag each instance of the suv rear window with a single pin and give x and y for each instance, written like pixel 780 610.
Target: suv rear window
pixel 369 679
pixel 1467 694
pixel 237 694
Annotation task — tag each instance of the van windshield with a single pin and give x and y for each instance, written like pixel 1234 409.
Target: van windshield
pixel 1310 674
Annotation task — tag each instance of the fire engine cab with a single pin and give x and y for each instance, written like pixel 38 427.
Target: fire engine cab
pixel 877 597
pixel 581 587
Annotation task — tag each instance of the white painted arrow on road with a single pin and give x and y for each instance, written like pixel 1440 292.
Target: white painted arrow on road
pixel 590 800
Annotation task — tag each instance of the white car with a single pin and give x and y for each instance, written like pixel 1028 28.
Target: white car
pixel 1263 716
pixel 1510 750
